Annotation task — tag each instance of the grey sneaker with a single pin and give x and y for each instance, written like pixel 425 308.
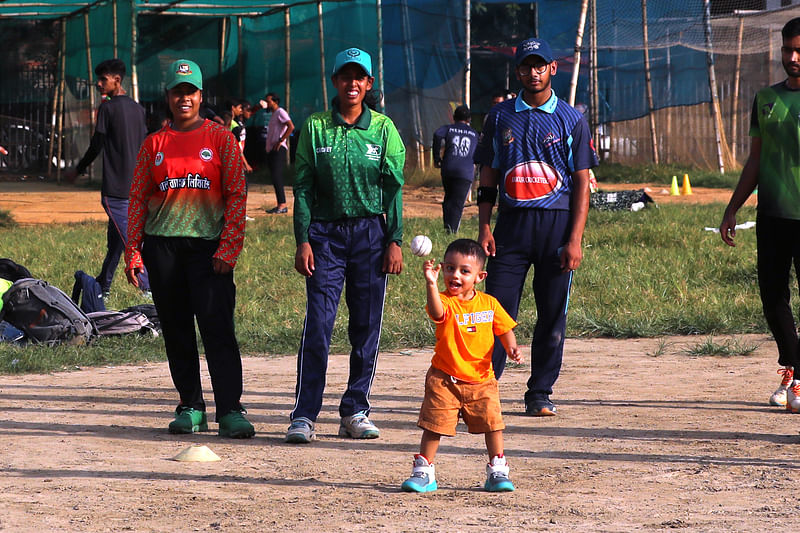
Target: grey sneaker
pixel 358 426
pixel 497 476
pixel 301 431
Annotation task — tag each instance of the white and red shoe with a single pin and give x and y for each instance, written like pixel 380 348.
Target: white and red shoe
pixel 779 396
pixel 793 397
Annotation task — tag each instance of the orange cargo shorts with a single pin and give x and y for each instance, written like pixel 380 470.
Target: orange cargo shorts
pixel 478 404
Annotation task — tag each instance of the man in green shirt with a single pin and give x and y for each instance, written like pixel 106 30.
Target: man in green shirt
pixel 348 214
pixel 774 167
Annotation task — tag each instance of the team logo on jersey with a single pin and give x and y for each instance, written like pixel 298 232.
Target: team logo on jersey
pixel 373 152
pixel 159 158
pixel 532 180
pixel 550 139
pixel 206 154
pixel 508 136
pixel 323 150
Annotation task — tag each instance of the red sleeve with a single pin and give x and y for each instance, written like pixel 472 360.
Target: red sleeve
pixel 142 187
pixel 234 192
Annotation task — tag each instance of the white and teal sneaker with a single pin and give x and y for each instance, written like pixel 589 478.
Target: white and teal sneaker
pixel 497 476
pixel 423 477
pixel 358 426
pixel 301 431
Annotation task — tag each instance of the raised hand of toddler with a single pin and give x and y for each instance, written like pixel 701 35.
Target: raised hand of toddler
pixel 431 270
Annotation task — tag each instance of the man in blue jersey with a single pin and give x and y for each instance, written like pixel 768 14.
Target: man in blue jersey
pixel 459 141
pixel 538 150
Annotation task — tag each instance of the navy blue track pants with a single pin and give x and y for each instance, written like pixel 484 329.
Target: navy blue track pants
pixel 346 253
pixel 525 238
pixel 116 239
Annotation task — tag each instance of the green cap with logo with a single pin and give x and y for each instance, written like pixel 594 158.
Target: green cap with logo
pixel 184 71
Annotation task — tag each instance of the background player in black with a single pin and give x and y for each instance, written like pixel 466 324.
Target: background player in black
pixel 119 133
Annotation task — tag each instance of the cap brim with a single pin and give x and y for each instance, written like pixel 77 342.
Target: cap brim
pixel 526 56
pixel 175 83
pixel 368 73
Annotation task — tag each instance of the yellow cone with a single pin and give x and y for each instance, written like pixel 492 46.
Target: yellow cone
pixel 686 188
pixel 673 190
pixel 197 454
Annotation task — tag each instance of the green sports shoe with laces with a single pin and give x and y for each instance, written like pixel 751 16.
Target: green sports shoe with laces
pixel 188 420
pixel 236 426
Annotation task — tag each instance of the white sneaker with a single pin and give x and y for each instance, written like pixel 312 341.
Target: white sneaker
pixel 793 397
pixel 779 396
pixel 423 477
pixel 358 426
pixel 301 431
pixel 497 476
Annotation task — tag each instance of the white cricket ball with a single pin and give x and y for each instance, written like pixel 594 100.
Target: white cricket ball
pixel 421 245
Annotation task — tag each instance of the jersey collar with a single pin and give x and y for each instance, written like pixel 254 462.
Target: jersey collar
pixel 363 120
pixel 548 107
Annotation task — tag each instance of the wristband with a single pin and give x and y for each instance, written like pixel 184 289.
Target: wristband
pixel 487 195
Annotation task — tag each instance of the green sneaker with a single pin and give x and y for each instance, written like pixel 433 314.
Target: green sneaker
pixel 236 426
pixel 188 420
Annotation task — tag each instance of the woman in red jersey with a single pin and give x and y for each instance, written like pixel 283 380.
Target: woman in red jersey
pixel 186 225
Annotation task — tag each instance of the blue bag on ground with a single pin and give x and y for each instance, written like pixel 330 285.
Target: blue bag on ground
pixel 87 293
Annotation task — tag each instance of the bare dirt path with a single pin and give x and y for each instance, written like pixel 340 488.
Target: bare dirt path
pixel 37 202
pixel 643 442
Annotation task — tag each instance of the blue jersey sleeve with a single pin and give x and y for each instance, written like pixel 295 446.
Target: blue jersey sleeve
pixel 484 154
pixel 583 154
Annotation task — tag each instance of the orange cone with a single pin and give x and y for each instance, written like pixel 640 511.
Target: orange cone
pixel 686 188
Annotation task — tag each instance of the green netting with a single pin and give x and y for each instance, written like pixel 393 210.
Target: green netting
pixel 248 69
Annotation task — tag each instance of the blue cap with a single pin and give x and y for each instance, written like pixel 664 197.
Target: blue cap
pixel 534 47
pixel 353 55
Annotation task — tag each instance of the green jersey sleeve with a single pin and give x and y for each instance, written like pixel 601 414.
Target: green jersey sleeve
pixel 392 183
pixel 304 182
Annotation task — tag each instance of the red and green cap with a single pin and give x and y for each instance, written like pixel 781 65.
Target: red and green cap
pixel 184 71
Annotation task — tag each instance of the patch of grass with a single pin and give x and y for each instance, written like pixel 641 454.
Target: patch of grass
pixel 647 274
pixel 7 219
pixel 616 173
pixel 728 348
pixel 661 348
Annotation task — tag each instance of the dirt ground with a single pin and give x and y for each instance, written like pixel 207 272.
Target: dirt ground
pixel 41 202
pixel 644 441
pixel 647 438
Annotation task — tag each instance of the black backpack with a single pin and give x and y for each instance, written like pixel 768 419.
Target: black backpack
pixel 148 310
pixel 45 313
pixel 12 271
pixel 86 293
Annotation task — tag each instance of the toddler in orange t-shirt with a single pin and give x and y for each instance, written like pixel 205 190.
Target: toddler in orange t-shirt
pixel 461 379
